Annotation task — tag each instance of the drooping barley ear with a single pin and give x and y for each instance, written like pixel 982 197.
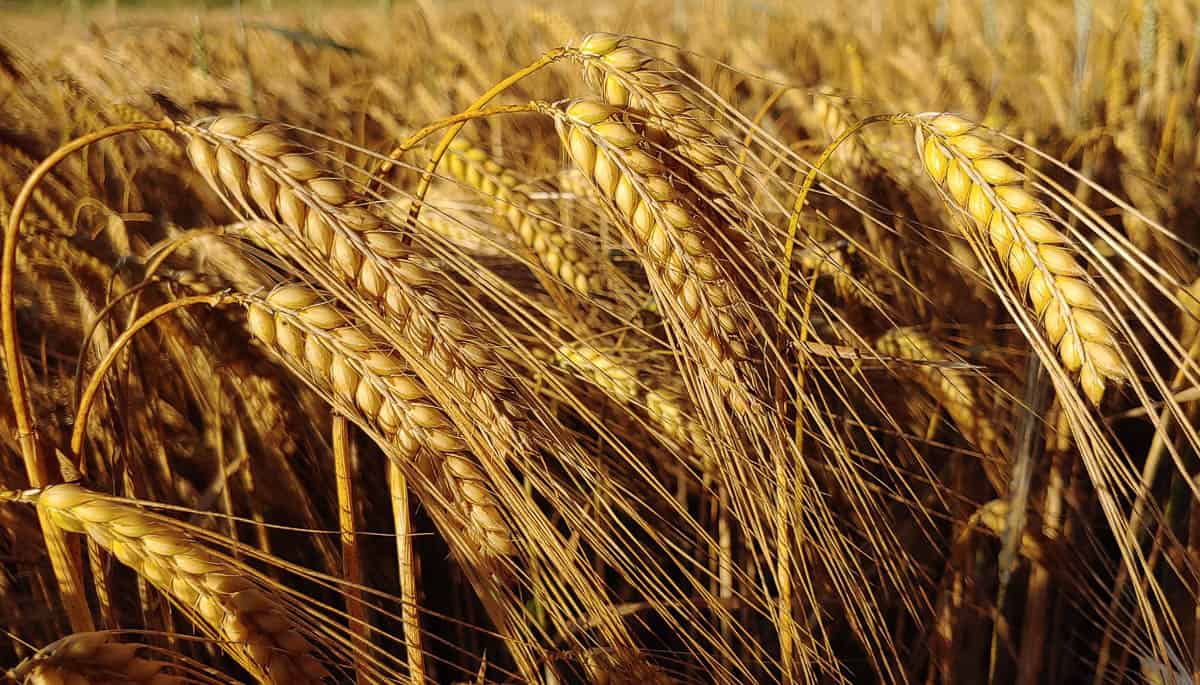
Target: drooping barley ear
pixel 950 387
pixel 99 658
pixel 625 76
pixel 376 389
pixel 250 623
pixel 554 246
pixel 262 173
pixel 685 268
pixel 667 409
pixel 618 380
pixel 977 180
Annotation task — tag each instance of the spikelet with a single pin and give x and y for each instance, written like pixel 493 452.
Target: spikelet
pixel 835 263
pixel 977 180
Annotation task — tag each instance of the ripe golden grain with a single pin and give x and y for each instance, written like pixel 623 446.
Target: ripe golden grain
pixel 977 179
pixel 376 387
pixel 685 267
pixel 85 658
pixel 529 219
pixel 253 625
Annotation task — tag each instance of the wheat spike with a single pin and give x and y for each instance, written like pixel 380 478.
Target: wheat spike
pixel 571 182
pixel 977 179
pixel 464 233
pixel 835 262
pixel 826 113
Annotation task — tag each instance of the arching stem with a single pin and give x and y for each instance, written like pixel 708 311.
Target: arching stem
pixel 802 196
pixel 414 211
pixel 543 61
pixel 88 397
pixel 39 469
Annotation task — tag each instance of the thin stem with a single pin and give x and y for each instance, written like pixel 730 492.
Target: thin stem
pixel 408 576
pixel 758 117
pixel 37 467
pixel 543 61
pixel 455 124
pixel 547 59
pixel 459 119
pixel 351 568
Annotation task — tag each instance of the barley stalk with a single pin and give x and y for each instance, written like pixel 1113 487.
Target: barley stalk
pixel 978 181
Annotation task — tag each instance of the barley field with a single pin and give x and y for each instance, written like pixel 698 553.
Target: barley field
pixel 721 341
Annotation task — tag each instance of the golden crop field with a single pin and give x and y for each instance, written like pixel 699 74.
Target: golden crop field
pixel 721 341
